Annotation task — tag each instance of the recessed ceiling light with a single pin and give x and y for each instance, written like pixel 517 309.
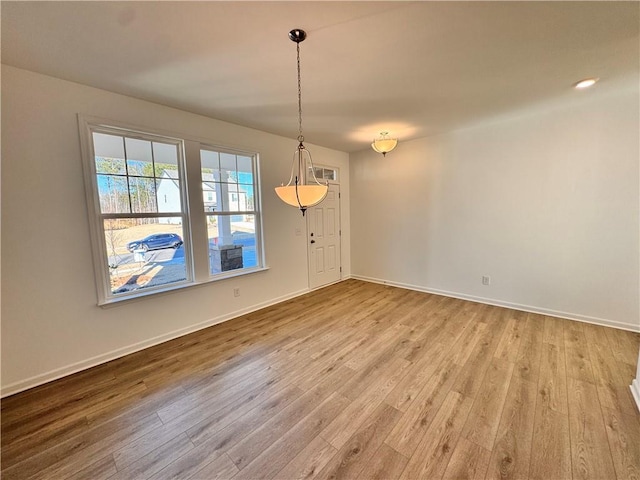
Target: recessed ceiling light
pixel 586 83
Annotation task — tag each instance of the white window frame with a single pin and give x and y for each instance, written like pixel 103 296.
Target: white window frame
pixel 335 170
pixel 256 212
pixel 193 214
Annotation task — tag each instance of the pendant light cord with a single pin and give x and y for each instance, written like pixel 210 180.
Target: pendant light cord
pixel 300 137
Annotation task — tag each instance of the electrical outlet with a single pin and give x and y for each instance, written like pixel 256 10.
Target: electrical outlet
pixel 236 292
pixel 486 280
pixel 298 231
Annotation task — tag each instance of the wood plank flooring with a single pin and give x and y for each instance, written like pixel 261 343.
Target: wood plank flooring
pixel 356 380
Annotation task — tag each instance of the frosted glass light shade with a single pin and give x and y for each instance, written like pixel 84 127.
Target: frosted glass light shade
pixel 309 195
pixel 384 146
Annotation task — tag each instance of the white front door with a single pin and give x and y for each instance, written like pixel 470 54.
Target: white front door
pixel 323 227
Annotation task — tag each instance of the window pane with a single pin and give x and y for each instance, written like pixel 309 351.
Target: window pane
pixel 209 196
pixel 138 168
pixel 228 168
pixel 143 253
pixel 168 194
pixel 232 242
pixel 249 199
pixel 165 157
pixel 222 202
pixel 138 149
pixel 113 194
pixel 245 170
pixel 108 146
pixel 232 198
pixel 139 159
pixel 143 195
pixel 329 174
pixel 110 165
pixel 214 193
pixel 168 183
pixel 210 161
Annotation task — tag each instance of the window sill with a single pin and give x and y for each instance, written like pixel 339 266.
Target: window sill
pixel 114 302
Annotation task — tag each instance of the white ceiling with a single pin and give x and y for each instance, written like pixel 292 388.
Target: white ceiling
pixel 413 68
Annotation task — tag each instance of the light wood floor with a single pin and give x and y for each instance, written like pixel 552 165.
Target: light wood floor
pixel 356 380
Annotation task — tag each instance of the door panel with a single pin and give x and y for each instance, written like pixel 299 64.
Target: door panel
pixel 319 261
pixel 319 229
pixel 331 221
pixel 331 257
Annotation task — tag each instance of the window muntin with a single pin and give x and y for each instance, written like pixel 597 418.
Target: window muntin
pixel 132 173
pixel 139 188
pixel 229 188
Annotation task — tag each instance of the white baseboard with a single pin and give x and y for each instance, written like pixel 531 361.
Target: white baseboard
pixel 635 391
pixel 499 303
pixel 31 382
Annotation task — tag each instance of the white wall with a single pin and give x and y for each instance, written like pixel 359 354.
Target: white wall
pixel 51 325
pixel 545 202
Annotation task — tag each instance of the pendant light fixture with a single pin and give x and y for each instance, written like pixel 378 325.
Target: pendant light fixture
pixel 384 144
pixel 299 193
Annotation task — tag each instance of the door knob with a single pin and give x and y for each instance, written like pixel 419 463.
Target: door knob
pixel 313 241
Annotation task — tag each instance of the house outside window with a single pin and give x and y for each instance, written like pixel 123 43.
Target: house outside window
pixel 141 218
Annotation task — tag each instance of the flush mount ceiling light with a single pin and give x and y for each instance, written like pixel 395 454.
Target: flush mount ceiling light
pixel 384 144
pixel 297 192
pixel 586 83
